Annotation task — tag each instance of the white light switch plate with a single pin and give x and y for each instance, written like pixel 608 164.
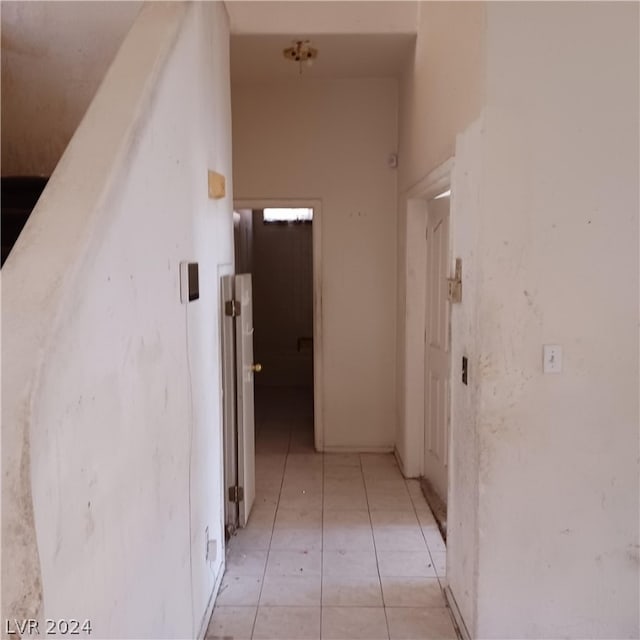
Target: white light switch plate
pixel 552 358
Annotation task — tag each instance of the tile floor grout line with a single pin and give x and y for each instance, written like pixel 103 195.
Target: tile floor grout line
pixel 433 564
pixel 321 542
pixel 375 549
pixel 273 526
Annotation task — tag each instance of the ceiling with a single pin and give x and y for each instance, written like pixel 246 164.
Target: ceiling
pixel 256 58
pixel 354 38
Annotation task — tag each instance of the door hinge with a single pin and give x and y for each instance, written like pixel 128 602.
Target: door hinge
pixel 232 308
pixel 455 284
pixel 236 494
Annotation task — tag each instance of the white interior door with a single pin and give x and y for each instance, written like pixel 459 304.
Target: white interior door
pixel 229 406
pixel 245 406
pixel 437 348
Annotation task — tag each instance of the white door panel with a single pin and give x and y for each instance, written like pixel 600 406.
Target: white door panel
pixel 229 405
pixel 245 398
pixel 437 351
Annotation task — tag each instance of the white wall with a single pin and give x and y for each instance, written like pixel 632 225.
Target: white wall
pixel 558 482
pixel 544 494
pixel 111 385
pixel 54 56
pixel 330 140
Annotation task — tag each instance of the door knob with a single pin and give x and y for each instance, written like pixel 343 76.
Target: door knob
pixel 256 367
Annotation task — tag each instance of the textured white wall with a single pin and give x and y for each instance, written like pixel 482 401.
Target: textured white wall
pixel 54 56
pixel 558 480
pixel 544 493
pixel 330 140
pixel 114 381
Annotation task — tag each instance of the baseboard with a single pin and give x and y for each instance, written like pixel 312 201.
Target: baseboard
pixel 204 623
pixel 437 506
pixel 357 450
pixel 400 462
pixel 461 627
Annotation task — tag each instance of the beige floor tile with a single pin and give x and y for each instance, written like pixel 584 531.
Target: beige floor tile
pixel 301 498
pixel 266 498
pixel 305 461
pixel 354 563
pixel 294 563
pixel 343 473
pixel 342 460
pixel 425 516
pixel 407 623
pixel 412 592
pixel 239 591
pixel 298 519
pixel 251 538
pixel 341 485
pixel 351 591
pixel 295 476
pixel 440 562
pixel 291 591
pixel 347 530
pixel 287 623
pixel 386 500
pixel 297 530
pixel 434 539
pixel 351 623
pixel 347 500
pixel 378 460
pixel 262 516
pixel 231 622
pixel 241 562
pixel 397 531
pixel 406 564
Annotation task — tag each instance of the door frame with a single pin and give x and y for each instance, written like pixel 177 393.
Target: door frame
pixel 316 235
pixel 417 197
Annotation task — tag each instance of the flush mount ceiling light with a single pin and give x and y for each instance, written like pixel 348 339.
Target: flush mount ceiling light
pixel 300 52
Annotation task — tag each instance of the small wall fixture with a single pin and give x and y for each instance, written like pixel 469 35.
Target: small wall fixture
pixel 300 52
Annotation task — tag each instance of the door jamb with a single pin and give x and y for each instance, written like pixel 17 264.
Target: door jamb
pixel 316 235
pixel 416 199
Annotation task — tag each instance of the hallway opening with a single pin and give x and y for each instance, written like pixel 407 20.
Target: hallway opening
pixel 338 545
pixel 278 242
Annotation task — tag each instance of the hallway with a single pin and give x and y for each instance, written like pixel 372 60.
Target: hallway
pixel 338 546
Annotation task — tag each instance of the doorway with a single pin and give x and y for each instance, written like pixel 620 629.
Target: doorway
pixel 279 243
pixel 437 356
pixel 427 368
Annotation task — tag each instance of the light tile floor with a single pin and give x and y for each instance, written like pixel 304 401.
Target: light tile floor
pixel 338 546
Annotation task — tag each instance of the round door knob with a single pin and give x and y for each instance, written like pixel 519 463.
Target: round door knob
pixel 256 367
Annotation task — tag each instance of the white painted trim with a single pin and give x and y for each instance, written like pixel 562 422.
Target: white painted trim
pixel 316 233
pixel 415 200
pixel 457 616
pixel 433 183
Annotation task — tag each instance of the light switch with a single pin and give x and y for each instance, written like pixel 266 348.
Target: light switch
pixel 552 358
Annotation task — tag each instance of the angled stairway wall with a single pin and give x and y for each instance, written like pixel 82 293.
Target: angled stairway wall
pixel 111 416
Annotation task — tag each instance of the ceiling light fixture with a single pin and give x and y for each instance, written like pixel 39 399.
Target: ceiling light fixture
pixel 300 52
